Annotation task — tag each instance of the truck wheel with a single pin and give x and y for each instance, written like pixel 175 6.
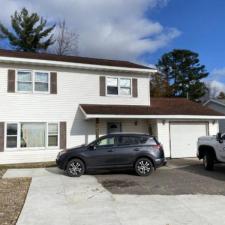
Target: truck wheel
pixel 208 161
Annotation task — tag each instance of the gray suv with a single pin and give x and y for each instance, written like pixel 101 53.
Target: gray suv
pixel 140 152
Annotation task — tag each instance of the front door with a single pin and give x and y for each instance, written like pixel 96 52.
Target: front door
pixel 113 127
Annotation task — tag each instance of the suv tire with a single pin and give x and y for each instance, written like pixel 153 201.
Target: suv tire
pixel 75 168
pixel 208 161
pixel 143 167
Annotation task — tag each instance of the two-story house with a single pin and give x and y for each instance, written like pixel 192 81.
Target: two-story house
pixel 50 102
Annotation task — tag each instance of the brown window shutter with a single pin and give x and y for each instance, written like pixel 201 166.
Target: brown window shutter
pixel 135 87
pixel 102 85
pixel 11 80
pixel 53 83
pixel 2 131
pixel 62 135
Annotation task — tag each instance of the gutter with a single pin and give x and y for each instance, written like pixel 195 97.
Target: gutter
pixel 72 65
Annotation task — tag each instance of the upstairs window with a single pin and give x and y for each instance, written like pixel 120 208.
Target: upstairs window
pixel 24 81
pixel 112 86
pixel 118 86
pixel 29 81
pixel 41 82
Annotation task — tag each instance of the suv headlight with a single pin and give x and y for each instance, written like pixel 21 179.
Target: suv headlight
pixel 61 153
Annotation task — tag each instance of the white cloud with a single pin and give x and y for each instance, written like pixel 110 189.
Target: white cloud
pixel 215 87
pixel 109 29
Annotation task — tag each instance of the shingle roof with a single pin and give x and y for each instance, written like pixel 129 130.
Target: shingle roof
pixel 71 59
pixel 159 106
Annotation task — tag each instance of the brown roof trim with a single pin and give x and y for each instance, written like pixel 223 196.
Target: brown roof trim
pixel 71 59
pixel 159 106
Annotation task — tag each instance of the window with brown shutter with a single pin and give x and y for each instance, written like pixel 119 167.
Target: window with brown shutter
pixel 11 80
pixel 135 87
pixel 62 135
pixel 53 83
pixel 102 85
pixel 2 130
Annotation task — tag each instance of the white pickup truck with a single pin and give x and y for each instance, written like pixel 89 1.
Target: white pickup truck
pixel 212 150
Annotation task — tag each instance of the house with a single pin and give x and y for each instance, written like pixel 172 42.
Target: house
pixel 50 102
pixel 217 105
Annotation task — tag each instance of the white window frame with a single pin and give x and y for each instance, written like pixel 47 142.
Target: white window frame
pixel 46 147
pixel 33 74
pixel 6 135
pixel 57 135
pixel 119 92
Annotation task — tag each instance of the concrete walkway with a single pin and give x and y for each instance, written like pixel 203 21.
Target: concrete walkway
pixel 55 199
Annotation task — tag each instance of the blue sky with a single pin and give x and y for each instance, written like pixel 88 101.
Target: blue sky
pixel 202 26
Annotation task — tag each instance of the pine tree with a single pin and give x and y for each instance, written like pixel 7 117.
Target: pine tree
pixel 29 32
pixel 183 73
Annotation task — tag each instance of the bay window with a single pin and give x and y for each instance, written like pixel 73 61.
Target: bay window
pixel 118 86
pixel 32 135
pixel 30 81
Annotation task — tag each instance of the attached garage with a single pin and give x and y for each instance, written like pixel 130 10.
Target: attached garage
pixel 184 136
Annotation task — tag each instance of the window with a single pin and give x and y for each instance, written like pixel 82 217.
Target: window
pixel 52 134
pixel 32 135
pixel 128 140
pixel 125 86
pixel 29 81
pixel 11 138
pixel 118 86
pixel 106 141
pixel 41 82
pixel 112 86
pixel 24 81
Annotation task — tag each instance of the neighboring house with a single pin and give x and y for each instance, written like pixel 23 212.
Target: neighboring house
pixel 217 105
pixel 50 102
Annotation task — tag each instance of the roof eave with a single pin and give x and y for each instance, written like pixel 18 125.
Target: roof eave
pixel 16 60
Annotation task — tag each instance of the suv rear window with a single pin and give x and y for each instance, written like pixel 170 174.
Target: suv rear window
pixel 135 140
pixel 128 140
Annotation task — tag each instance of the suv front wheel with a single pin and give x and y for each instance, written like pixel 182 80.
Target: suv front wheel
pixel 144 167
pixel 208 161
pixel 75 168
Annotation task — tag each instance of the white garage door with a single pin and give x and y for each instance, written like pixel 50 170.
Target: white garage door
pixel 184 136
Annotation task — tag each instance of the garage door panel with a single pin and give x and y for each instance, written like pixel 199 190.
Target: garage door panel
pixel 183 138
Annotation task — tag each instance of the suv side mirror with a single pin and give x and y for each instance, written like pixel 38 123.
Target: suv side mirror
pixel 92 147
pixel 219 138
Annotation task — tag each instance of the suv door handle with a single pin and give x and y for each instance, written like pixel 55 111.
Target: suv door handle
pixel 136 149
pixel 110 150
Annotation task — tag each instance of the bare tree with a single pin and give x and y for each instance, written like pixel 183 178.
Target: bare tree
pixel 66 40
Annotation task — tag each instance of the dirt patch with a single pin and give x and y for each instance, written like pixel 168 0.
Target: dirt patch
pixel 2 172
pixel 118 183
pixel 13 193
pixel 28 165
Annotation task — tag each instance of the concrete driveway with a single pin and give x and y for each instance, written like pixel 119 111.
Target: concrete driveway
pixel 55 199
